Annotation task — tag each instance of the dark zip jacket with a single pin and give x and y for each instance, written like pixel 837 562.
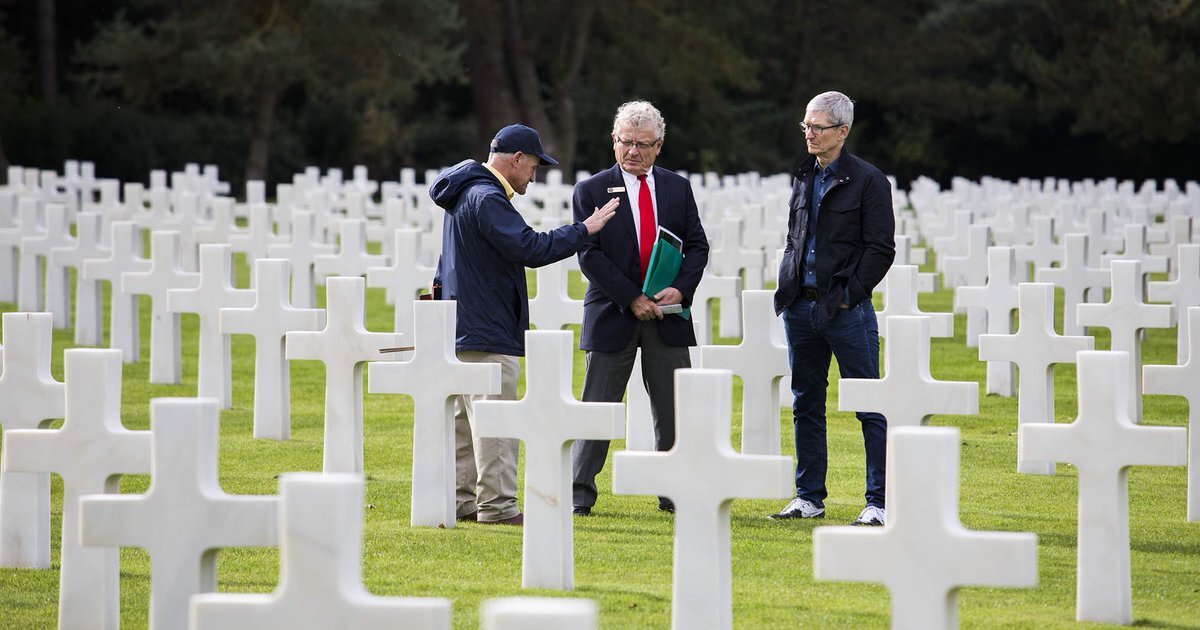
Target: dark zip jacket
pixel 855 235
pixel 486 246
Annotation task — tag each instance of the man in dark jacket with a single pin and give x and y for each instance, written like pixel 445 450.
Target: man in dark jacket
pixel 840 244
pixel 486 246
pixel 618 318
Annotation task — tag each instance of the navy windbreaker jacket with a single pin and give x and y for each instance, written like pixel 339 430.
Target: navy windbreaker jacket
pixel 486 246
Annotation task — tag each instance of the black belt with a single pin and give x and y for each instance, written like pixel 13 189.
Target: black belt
pixel 810 294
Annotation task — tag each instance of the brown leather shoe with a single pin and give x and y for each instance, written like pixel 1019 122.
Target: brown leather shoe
pixel 519 519
pixel 468 518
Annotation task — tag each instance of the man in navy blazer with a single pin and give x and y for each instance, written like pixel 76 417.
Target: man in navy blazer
pixel 617 318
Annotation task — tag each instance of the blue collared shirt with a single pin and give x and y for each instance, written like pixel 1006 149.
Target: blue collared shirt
pixel 822 180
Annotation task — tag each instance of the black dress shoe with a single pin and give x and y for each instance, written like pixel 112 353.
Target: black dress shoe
pixel 581 510
pixel 666 506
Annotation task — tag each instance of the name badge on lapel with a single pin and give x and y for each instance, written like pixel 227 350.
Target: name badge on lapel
pixel 615 189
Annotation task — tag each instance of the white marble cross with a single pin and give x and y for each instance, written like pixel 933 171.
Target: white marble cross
pixel 552 307
pixel 725 289
pixel 702 474
pixel 1136 248
pixel 303 249
pixel 1043 252
pixel 320 567
pixel 57 295
pixel 1076 278
pixel 124 256
pixel 403 279
pixel 548 419
pixel 971 269
pixel 28 268
pixel 900 300
pixel 256 241
pixel 906 394
pixel 29 399
pixel 270 318
pixel 1183 292
pixel 89 315
pixel 1100 241
pixel 433 377
pixel 223 226
pixel 727 259
pixel 1179 234
pixel 1102 444
pixel 761 362
pixel 10 241
pixel 906 254
pixel 343 346
pixel 1126 315
pixel 185 517
pixel 1184 380
pixel 215 291
pixel 185 219
pixel 539 613
pixel 165 273
pixel 89 452
pixel 953 244
pixel 924 554
pixel 995 302
pixel 352 258
pixel 1035 348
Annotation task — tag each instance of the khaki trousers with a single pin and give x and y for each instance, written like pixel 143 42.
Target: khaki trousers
pixel 486 468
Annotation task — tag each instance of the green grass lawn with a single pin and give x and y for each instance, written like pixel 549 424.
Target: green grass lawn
pixel 623 554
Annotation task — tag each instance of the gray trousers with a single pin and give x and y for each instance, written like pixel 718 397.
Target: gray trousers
pixel 486 468
pixel 605 377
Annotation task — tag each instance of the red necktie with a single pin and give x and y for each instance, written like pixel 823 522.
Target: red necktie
pixel 646 216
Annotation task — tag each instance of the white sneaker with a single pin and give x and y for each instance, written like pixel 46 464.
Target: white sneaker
pixel 799 508
pixel 870 516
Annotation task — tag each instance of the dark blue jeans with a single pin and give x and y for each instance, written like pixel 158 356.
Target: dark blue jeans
pixel 852 336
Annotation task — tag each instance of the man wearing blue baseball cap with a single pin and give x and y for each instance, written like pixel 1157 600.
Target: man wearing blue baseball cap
pixel 486 246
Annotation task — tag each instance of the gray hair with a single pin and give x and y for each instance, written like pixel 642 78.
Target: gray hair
pixel 839 107
pixel 640 115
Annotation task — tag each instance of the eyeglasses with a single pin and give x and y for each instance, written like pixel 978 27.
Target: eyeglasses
pixel 642 146
pixel 817 129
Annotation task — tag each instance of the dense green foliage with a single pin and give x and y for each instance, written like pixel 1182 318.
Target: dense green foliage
pixel 1010 88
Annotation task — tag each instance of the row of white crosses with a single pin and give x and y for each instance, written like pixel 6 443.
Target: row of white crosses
pixel 183 469
pixel 185 517
pixel 927 361
pixel 1104 588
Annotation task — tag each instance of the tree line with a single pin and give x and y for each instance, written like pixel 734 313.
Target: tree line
pixel 263 88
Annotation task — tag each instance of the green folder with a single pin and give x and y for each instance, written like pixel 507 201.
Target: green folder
pixel 665 259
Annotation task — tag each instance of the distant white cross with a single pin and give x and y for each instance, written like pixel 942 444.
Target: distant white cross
pixel 344 345
pixel 270 318
pixel 1126 315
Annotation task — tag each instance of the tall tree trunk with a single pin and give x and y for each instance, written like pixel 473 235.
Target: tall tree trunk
pixel 260 139
pixel 47 50
pixel 491 87
pixel 564 101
